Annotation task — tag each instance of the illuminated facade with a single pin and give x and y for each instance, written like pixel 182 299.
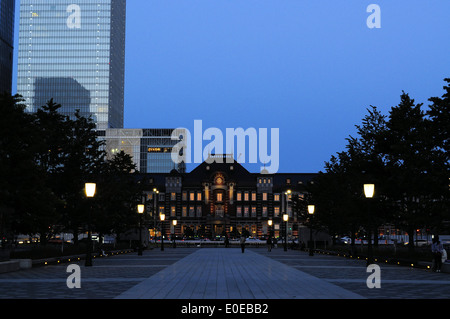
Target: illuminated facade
pixel 150 148
pixel 6 44
pixel 219 198
pixel 74 52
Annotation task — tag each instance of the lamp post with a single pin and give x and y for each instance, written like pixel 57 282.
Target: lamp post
pixel 285 219
pixel 311 209
pixel 162 217
pixel 369 191
pixel 174 223
pixel 270 223
pixel 155 194
pixel 140 208
pixel 89 189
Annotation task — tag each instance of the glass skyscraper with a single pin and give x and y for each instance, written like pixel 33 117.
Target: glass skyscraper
pixel 74 52
pixel 6 44
pixel 150 149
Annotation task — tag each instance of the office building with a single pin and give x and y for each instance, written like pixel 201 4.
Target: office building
pixel 150 149
pixel 74 52
pixel 6 44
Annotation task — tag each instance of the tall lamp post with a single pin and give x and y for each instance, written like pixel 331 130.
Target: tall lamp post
pixel 174 223
pixel 140 208
pixel 311 209
pixel 285 219
pixel 270 223
pixel 155 194
pixel 89 189
pixel 162 217
pixel 369 191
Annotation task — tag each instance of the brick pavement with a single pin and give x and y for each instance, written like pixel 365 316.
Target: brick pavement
pixel 397 282
pixel 224 273
pixel 109 276
pixel 219 273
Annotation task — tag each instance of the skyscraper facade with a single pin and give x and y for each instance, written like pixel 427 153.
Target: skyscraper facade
pixel 6 44
pixel 74 52
pixel 151 149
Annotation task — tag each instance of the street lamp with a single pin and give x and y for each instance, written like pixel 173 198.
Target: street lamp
pixel 311 209
pixel 140 209
pixel 369 191
pixel 174 223
pixel 155 194
pixel 89 189
pixel 162 216
pixel 285 219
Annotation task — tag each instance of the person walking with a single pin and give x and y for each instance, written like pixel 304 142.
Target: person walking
pixel 227 241
pixel 269 243
pixel 243 243
pixel 437 249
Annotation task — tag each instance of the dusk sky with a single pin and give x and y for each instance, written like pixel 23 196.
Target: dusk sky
pixel 309 68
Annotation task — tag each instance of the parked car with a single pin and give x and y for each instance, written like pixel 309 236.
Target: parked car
pixel 419 243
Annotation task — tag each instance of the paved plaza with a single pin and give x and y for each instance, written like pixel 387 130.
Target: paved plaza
pixel 224 273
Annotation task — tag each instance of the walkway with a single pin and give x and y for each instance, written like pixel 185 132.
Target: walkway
pixel 221 273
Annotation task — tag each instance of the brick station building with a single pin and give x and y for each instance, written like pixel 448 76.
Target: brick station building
pixel 219 197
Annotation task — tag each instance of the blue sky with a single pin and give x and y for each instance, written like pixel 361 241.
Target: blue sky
pixel 309 68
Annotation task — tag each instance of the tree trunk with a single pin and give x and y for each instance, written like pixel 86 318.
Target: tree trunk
pixel 411 241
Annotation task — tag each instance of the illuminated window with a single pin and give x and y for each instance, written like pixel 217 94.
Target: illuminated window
pixel 276 197
pixel 199 196
pixel 239 196
pixel 172 211
pixel 184 211
pixel 173 196
pixel 264 197
pixel 253 196
pixel 253 211
pixel 264 211
pixel 276 211
pixel 219 197
pixel 191 196
pixel 246 211
pixel 246 196
pixel 184 195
